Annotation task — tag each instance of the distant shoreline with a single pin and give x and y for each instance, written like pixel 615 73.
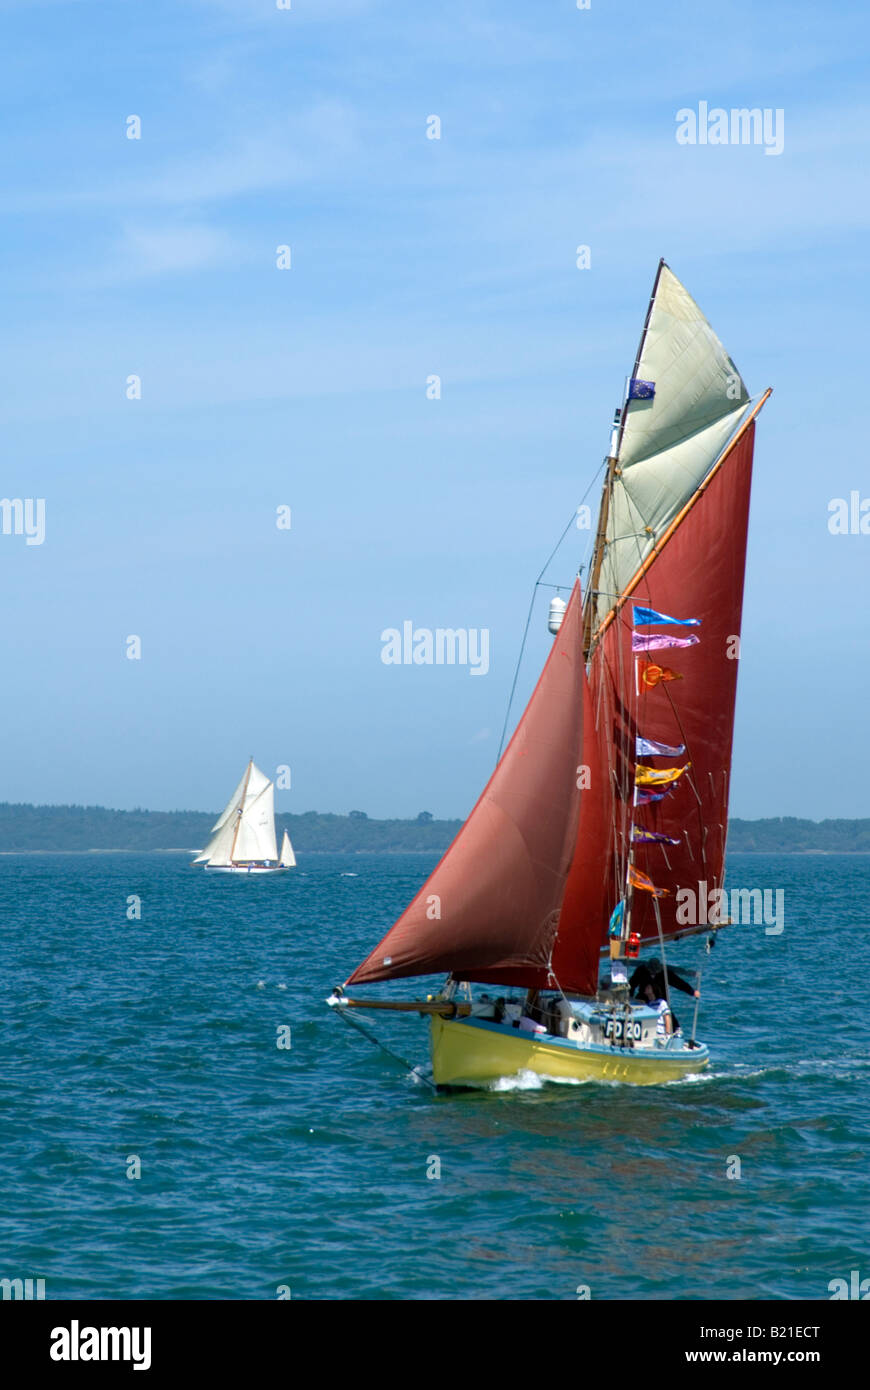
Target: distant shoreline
pixel 17 853
pixel 29 829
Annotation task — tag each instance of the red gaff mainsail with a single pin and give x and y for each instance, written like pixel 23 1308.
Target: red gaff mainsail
pixel 490 911
pixel 696 573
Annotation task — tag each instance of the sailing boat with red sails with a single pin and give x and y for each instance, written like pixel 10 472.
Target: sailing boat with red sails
pixel 611 799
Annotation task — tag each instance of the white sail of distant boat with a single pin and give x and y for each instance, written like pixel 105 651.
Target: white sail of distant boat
pixel 243 836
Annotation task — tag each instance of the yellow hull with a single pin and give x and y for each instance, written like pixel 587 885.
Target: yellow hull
pixel 468 1054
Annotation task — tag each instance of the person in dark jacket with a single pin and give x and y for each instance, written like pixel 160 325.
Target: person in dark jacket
pixel 652 972
pixel 662 979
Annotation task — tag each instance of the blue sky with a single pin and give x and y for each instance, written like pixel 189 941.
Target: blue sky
pixel 306 387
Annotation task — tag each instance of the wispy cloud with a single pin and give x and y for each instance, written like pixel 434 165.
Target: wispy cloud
pixel 265 153
pixel 301 12
pixel 142 252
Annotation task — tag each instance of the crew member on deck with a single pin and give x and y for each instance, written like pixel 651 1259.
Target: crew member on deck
pixel 652 975
pixel 666 1024
pixel 662 978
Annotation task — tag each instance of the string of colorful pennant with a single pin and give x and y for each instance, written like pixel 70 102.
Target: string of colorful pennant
pixel 653 784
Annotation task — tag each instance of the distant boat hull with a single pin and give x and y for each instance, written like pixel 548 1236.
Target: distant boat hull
pixel 246 868
pixel 474 1053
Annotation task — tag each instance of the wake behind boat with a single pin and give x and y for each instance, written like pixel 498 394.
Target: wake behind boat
pixel 243 836
pixel 610 803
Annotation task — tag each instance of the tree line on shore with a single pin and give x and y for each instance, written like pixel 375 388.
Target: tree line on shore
pixel 24 827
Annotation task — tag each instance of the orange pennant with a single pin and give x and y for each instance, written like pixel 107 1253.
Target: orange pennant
pixel 649 675
pixel 637 879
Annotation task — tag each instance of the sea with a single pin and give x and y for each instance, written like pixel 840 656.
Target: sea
pixel 183 1117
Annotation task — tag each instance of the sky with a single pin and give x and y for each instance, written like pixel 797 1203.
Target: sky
pixel 306 387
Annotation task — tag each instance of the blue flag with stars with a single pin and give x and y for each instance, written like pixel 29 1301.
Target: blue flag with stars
pixel 641 390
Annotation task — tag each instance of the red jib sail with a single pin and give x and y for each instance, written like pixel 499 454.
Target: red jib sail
pixel 490 910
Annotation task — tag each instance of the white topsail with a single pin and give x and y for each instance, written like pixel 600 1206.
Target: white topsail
pixel 668 443
pixel 232 806
pixel 244 832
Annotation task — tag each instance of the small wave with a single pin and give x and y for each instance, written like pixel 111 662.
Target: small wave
pixel 802 1067
pixel 348 875
pixel 692 1078
pixel 534 1081
pixel 526 1080
pixel 742 1071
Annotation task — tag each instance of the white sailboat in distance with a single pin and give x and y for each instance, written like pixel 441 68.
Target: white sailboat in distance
pixel 243 836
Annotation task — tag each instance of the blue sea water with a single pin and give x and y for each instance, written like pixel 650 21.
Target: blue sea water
pixel 156 1038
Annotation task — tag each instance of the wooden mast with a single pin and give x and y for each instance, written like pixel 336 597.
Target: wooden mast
pixel 241 810
pixel 597 558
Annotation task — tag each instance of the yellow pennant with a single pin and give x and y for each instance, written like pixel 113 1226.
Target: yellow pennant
pixel 657 776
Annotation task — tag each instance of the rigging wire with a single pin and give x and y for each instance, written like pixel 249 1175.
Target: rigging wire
pixel 697 1005
pixel 539 583
pixel 361 1028
pixel 664 956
